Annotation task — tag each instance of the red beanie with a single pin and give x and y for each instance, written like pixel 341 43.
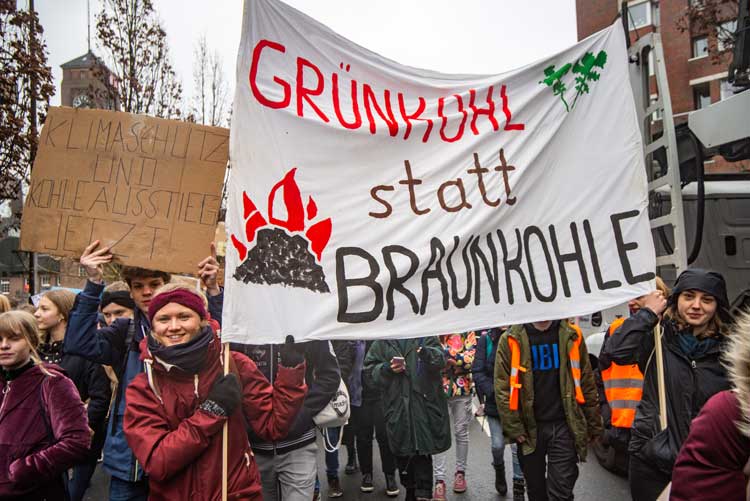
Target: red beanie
pixel 183 297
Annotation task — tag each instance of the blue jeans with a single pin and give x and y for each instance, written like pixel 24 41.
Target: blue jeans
pixel 332 458
pixel 122 490
pixel 498 447
pixel 79 482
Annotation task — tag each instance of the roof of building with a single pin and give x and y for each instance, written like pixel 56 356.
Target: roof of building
pixel 85 61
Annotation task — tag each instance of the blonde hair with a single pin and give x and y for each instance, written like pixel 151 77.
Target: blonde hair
pixel 4 303
pixel 118 286
pixel 661 286
pixel 737 358
pixel 23 323
pixel 63 299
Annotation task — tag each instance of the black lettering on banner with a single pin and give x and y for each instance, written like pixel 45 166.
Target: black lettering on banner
pixel 611 284
pixel 437 253
pixel 184 152
pixel 396 282
pixel 207 151
pixel 575 256
pixel 69 232
pixel 153 239
pixel 51 130
pixel 623 248
pixel 460 302
pixel 492 273
pixel 388 207
pixel 527 234
pixel 57 237
pixel 514 265
pixel 343 283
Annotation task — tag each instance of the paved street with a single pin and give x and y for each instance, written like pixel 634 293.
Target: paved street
pixel 594 483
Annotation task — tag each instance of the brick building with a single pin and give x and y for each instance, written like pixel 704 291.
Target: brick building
pixel 696 74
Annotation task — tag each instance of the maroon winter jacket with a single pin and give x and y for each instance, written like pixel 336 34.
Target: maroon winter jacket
pixel 38 444
pixel 710 463
pixel 179 445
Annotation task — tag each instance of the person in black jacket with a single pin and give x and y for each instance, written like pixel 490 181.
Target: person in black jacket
pixel 483 371
pixel 89 378
pixel 693 341
pixel 288 468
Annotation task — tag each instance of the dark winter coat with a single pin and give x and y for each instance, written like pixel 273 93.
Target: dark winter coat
pixel 484 369
pixel 93 386
pixel 710 463
pixel 110 346
pixel 323 378
pixel 344 351
pixel 414 404
pixel 43 432
pixel 689 384
pixel 584 420
pixel 180 446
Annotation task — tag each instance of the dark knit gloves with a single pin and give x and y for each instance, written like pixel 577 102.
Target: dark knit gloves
pixel 224 396
pixel 292 354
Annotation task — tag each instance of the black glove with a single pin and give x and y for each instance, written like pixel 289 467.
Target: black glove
pixel 292 354
pixel 224 396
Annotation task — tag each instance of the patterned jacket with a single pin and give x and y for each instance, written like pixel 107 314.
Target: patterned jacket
pixel 459 355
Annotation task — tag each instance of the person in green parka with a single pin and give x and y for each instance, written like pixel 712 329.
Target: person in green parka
pixel 414 406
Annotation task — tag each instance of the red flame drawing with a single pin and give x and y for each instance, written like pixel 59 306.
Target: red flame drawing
pixel 318 234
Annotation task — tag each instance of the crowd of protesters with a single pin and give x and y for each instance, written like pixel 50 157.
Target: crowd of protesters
pixel 135 372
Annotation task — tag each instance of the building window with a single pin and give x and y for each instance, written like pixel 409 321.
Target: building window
pixel 81 271
pixel 725 35
pixel 701 95
pixel 44 281
pixel 700 46
pixel 640 14
pixel 4 286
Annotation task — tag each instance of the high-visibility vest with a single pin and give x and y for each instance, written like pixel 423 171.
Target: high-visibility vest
pixel 623 386
pixel 574 355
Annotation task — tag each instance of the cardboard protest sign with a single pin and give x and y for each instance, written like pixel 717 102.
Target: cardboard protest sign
pixel 147 187
pixel 374 200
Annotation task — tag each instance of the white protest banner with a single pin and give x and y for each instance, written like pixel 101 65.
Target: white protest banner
pixel 374 200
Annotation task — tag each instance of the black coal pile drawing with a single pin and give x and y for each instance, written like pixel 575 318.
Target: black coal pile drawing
pixel 279 258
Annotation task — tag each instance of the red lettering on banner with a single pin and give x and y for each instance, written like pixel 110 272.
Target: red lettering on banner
pixel 408 117
pixel 489 111
pixel 337 104
pixel 254 76
pixel 463 112
pixel 304 92
pixel 388 118
pixel 508 115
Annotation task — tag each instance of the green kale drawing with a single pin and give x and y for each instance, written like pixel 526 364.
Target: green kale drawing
pixel 586 73
pixel 585 68
pixel 554 79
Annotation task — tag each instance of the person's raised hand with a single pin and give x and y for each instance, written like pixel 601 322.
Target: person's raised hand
pixel 655 301
pixel 208 270
pixel 292 354
pixel 93 259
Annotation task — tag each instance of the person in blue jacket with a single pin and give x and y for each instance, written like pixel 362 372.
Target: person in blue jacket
pixel 117 345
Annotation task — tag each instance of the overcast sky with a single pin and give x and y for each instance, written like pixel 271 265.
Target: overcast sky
pixel 473 36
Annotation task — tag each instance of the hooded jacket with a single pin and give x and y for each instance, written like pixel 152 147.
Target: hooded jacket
pixel 690 382
pixel 584 420
pixel 483 369
pixel 710 462
pixel 323 378
pixel 43 432
pixel 110 346
pixel 415 406
pixel 180 445
pixel 93 386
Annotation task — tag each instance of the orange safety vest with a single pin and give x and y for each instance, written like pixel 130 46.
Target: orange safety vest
pixel 623 386
pixel 574 355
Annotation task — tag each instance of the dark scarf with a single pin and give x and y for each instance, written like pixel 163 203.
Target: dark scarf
pixel 694 348
pixel 14 373
pixel 188 357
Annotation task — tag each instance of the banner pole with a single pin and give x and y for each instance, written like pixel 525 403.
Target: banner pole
pixel 660 377
pixel 225 439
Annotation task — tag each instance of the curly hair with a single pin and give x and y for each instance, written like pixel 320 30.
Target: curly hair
pixel 737 359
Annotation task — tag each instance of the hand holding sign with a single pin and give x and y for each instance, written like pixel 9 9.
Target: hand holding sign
pixel 93 259
pixel 208 269
pixel 655 301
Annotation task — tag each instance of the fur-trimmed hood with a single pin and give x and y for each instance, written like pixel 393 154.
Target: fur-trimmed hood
pixel 738 363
